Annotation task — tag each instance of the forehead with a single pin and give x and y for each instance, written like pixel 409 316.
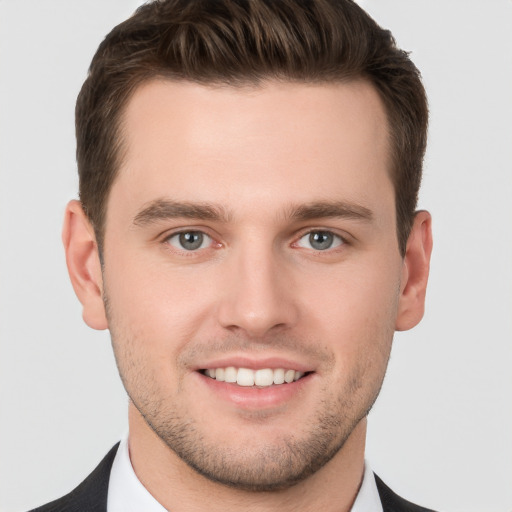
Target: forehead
pixel 206 143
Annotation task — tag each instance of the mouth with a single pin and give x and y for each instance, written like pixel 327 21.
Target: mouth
pixel 261 378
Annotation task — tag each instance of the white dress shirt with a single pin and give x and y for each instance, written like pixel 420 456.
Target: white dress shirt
pixel 125 491
pixel 127 494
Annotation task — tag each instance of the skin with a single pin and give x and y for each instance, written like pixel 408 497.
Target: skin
pixel 273 164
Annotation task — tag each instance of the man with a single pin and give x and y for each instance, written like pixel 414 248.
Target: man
pixel 247 232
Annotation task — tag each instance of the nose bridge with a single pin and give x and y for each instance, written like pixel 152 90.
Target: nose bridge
pixel 257 297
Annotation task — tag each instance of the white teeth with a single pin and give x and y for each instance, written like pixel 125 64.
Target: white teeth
pixel 289 375
pixel 263 377
pixel 279 376
pixel 230 374
pixel 247 377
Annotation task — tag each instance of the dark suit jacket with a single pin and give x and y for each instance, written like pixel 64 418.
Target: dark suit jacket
pixel 91 494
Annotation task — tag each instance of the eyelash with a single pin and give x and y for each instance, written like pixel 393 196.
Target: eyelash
pixel 337 239
pixel 177 234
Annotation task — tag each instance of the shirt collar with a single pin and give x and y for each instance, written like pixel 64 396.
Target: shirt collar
pixel 125 491
pixel 367 499
pixel 127 494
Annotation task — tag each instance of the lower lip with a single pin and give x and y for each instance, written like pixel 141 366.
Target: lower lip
pixel 253 397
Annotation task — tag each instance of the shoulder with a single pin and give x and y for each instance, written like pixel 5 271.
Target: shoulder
pixel 391 502
pixel 90 495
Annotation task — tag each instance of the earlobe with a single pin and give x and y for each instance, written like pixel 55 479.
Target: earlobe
pixel 84 267
pixel 415 272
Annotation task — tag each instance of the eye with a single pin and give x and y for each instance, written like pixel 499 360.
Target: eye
pixel 320 240
pixel 190 240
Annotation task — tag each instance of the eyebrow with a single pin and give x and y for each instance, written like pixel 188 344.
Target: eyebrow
pixel 165 209
pixel 330 209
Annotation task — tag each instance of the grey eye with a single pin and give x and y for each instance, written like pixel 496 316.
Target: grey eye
pixel 320 240
pixel 190 240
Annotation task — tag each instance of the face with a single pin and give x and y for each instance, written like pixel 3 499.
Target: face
pixel 252 275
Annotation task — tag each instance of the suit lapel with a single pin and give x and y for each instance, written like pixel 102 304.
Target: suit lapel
pixel 391 502
pixel 90 495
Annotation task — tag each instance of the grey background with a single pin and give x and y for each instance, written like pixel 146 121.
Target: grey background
pixel 441 432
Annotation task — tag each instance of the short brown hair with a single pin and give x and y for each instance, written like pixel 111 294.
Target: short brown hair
pixel 240 42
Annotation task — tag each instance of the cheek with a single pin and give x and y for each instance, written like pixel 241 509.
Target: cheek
pixel 144 344
pixel 157 303
pixel 355 309
pixel 353 296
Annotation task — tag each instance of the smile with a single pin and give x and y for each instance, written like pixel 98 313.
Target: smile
pixel 246 377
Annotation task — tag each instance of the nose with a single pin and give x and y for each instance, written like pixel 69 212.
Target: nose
pixel 258 295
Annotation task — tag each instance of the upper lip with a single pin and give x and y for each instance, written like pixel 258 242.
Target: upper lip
pixel 254 364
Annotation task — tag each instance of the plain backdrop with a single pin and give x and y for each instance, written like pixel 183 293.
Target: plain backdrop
pixel 441 431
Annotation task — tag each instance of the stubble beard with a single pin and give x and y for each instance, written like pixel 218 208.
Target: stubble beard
pixel 290 459
pixel 266 468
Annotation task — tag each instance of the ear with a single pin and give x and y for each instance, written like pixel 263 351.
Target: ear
pixel 84 267
pixel 415 269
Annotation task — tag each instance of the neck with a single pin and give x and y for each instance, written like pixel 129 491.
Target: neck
pixel 179 488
